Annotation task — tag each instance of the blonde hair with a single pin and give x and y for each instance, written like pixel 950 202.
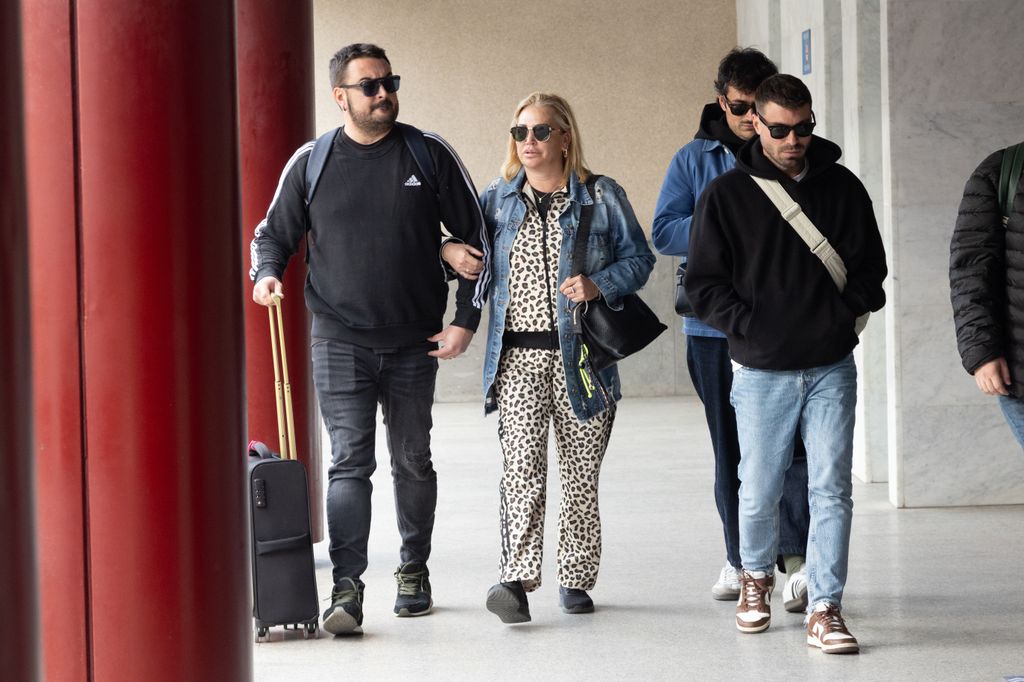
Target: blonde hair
pixel 564 119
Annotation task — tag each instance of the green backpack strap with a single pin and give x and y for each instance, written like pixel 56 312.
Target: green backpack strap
pixel 1009 178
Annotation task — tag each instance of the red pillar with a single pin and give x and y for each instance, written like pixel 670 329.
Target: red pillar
pixel 163 354
pixel 276 116
pixel 19 628
pixel 56 368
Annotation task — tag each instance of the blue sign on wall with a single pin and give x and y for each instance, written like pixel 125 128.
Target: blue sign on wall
pixel 807 51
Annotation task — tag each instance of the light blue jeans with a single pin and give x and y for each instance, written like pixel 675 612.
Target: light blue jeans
pixel 1013 410
pixel 772 407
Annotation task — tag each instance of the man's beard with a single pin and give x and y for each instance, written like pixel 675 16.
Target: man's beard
pixel 788 164
pixel 376 125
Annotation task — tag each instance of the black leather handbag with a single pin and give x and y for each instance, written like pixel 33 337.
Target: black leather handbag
pixel 683 306
pixel 610 335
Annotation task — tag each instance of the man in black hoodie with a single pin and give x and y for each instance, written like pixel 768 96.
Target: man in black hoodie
pixel 791 336
pixel 378 291
pixel 725 125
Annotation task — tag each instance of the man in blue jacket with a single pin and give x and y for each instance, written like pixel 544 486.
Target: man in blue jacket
pixel 724 126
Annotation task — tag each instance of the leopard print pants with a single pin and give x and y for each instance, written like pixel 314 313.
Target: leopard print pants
pixel 531 393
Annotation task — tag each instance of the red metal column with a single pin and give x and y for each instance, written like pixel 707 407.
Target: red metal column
pixel 276 113
pixel 56 369
pixel 19 628
pixel 163 354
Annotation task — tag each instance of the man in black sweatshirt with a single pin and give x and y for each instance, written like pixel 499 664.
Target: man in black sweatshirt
pixel 378 291
pixel 791 336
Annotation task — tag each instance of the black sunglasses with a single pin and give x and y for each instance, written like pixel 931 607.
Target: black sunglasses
pixel 781 132
pixel 371 86
pixel 738 108
pixel 541 131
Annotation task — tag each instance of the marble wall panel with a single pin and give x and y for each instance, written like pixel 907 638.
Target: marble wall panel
pixel 935 148
pixel 976 463
pixel 931 373
pixel 753 24
pixel 923 248
pixel 955 50
pixel 953 95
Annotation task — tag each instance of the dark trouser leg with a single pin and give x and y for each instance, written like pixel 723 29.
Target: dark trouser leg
pixel 711 372
pixel 794 514
pixel 707 358
pixel 407 396
pixel 345 376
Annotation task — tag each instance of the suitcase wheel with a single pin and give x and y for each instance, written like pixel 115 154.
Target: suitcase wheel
pixel 311 630
pixel 261 633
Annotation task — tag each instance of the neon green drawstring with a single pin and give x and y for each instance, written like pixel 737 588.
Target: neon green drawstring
pixel 584 374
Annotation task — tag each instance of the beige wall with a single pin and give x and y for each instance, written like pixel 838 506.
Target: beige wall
pixel 636 74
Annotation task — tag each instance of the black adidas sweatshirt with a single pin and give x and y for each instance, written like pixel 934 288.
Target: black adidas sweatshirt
pixel 754 278
pixel 373 239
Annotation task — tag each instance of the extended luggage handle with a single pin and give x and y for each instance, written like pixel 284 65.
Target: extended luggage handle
pixel 282 385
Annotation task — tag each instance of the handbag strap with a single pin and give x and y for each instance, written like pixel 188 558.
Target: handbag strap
pixel 814 239
pixel 579 252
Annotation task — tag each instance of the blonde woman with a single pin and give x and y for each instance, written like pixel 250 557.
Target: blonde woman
pixel 531 372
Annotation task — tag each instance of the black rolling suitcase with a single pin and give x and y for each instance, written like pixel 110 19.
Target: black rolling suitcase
pixel 283 575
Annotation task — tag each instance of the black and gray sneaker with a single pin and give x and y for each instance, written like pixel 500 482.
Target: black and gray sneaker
pixel 508 602
pixel 414 598
pixel 345 614
pixel 573 600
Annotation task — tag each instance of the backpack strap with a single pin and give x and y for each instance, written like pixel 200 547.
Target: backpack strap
pixel 1009 178
pixel 413 137
pixel 317 161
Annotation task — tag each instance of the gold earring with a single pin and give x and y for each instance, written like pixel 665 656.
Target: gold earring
pixel 565 153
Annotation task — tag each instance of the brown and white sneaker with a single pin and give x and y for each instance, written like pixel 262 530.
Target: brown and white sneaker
pixel 754 607
pixel 827 630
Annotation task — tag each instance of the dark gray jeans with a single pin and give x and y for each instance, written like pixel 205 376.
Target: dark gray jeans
pixel 350 380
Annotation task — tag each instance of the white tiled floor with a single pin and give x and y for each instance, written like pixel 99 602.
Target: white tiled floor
pixel 933 594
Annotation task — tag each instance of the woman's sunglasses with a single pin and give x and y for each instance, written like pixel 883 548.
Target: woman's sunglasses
pixel 781 132
pixel 541 132
pixel 370 87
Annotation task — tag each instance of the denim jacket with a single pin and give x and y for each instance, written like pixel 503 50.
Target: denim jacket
pixel 691 170
pixel 618 261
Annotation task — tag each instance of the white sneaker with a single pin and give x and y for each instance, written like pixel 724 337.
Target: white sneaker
pixel 827 630
pixel 794 594
pixel 728 586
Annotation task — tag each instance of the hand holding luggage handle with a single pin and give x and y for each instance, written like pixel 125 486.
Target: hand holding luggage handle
pixel 282 386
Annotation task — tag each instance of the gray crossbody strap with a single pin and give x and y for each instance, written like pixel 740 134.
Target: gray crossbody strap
pixel 814 239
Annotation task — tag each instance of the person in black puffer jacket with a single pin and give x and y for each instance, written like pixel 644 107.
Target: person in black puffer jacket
pixel 986 282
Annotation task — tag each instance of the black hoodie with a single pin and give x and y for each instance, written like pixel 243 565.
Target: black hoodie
pixel 713 126
pixel 753 277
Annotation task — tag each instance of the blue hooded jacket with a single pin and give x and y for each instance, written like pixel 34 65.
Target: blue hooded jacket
pixel 689 172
